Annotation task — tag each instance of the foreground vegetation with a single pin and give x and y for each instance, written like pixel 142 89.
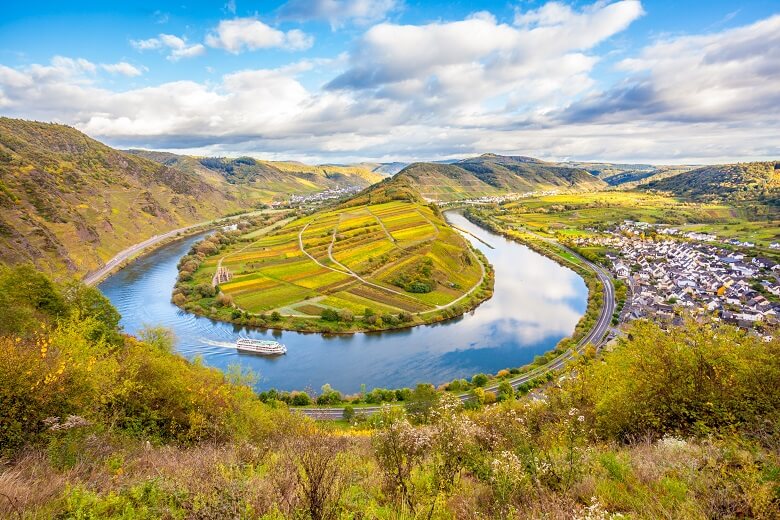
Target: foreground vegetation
pixel 365 266
pixel 101 425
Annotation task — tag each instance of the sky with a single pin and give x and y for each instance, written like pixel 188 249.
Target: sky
pixel 402 80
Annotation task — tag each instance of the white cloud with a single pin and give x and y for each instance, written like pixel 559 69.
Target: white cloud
pixel 338 12
pixel 733 75
pixel 146 45
pixel 123 68
pixel 448 89
pixel 241 34
pixel 177 47
pixel 468 67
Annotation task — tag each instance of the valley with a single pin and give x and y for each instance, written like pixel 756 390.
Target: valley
pixel 70 203
pixel 390 260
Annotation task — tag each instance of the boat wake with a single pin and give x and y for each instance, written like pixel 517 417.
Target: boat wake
pixel 213 343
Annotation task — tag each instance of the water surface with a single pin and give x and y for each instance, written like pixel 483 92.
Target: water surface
pixel 536 303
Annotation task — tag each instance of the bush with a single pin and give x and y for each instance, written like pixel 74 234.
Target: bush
pixel 80 371
pixel 480 380
pixel 300 399
pixel 694 380
pixel 224 300
pixel 330 315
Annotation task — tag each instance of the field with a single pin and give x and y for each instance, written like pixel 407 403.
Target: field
pixel 573 214
pixel 396 258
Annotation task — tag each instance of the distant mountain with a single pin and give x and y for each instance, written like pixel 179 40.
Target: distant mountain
pixel 631 178
pixel 491 174
pixel 740 182
pixel 603 169
pixel 390 168
pixel 268 179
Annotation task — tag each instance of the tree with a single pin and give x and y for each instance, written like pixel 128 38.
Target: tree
pixel 161 338
pixel 505 391
pixel 480 380
pixel 420 404
pixel 328 395
pixel 330 315
pixel 300 399
pixel 89 301
pixel 224 300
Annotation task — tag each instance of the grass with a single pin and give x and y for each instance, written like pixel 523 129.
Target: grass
pixel 347 259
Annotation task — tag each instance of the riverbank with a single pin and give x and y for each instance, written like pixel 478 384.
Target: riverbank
pixel 132 253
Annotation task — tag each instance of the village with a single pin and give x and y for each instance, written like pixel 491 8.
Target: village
pixel 669 271
pixel 322 196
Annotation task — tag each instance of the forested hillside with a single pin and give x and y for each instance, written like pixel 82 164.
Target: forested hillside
pixel 69 202
pixel 734 182
pixel 100 425
pixel 269 180
pixel 490 174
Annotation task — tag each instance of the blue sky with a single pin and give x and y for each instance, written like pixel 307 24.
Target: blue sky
pixel 349 80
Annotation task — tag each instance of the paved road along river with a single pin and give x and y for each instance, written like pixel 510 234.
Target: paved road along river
pixel 536 303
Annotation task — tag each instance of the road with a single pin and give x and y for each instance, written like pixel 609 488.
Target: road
pixel 594 337
pixel 134 250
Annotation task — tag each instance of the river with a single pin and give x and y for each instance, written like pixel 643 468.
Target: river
pixel 536 303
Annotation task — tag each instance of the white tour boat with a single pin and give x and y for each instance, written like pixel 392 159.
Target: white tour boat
pixel 261 346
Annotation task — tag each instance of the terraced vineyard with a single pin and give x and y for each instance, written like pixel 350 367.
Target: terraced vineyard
pixel 358 267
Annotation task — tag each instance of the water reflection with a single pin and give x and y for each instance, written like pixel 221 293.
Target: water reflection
pixel 535 304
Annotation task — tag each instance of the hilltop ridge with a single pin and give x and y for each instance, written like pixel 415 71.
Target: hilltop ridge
pixel 741 182
pixel 491 174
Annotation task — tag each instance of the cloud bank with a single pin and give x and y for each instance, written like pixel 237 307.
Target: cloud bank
pixel 439 90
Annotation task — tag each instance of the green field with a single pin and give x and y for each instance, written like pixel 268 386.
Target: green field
pixel 396 258
pixel 573 214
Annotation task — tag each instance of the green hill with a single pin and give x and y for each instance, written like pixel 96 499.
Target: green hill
pixel 734 182
pixel 69 202
pixel 492 175
pixel 268 180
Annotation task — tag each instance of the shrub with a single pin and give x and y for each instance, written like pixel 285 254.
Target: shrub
pixel 330 315
pixel 697 379
pixel 480 380
pixel 224 300
pixel 300 399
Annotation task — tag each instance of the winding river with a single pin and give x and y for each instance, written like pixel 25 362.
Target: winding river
pixel 536 303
